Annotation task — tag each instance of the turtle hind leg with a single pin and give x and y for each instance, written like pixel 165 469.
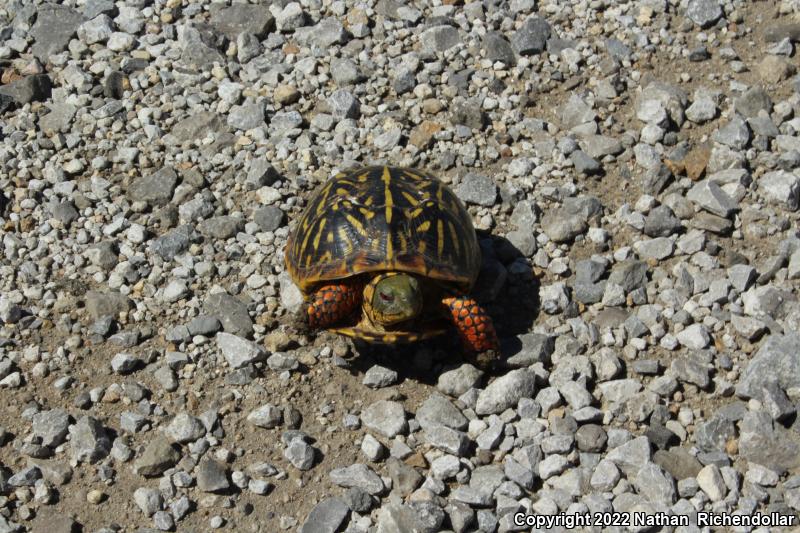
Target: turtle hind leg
pixel 332 303
pixel 473 324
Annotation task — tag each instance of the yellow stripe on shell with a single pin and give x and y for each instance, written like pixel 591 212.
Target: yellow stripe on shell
pixel 410 199
pixel 345 239
pixel 454 237
pixel 356 224
pixel 387 193
pixel 439 237
pixel 318 233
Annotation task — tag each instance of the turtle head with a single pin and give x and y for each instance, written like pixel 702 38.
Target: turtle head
pixel 392 298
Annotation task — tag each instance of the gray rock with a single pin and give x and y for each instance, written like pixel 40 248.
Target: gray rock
pixel 50 426
pixel 438 410
pixel 231 312
pixel 708 195
pixel 599 146
pixel 714 433
pixel 531 37
pixel 199 46
pixel 64 212
pixel 290 18
pixel 631 456
pixel 343 104
pixel 185 428
pixel 291 296
pixel 58 119
pixel 300 454
pixel 704 13
pixel 204 325
pixel 96 30
pixel 497 48
pixel 55 26
pixel 752 101
pixel 768 444
pixel 261 173
pixel 439 38
pixel 148 500
pixel 156 189
pixel 239 352
pixel 655 484
pixel 328 32
pixel 27 477
pixel 405 479
pixel 124 363
pixel 711 482
pixel 358 475
pixel 701 110
pixel 171 243
pixel 585 164
pixel 29 89
pixel 222 227
pixel 477 189
pixel 243 18
pixel 776 403
pixel 89 440
pixel 629 274
pixel 695 337
pixel 385 417
pixel 267 416
pixel 285 121
pixel 269 218
pixel 735 133
pixel 459 380
pixel 536 348
pixel 450 440
pixel 563 225
pixel 326 516
pixel 591 438
pixel 158 456
pixel 378 377
pixel 678 462
pixel 346 72
pixel 247 117
pixel 782 188
pixel 777 360
pixel 661 222
pixel 506 391
pixel 467 113
pixel 197 126
pixel 690 370
pixel 212 476
pixel 576 112
pixel 7 526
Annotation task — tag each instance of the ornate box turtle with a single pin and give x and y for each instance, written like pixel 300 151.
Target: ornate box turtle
pixel 388 255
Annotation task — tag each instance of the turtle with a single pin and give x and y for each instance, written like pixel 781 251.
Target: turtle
pixel 389 255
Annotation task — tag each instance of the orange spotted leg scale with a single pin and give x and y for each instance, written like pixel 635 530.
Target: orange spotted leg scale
pixel 332 303
pixel 473 324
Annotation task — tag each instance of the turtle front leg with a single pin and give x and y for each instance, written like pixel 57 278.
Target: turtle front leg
pixel 473 324
pixel 332 303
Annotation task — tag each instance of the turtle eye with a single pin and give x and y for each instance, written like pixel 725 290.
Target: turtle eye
pixel 386 297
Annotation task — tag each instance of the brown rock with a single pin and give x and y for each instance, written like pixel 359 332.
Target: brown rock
pixel 774 69
pixel 286 94
pixel 422 135
pixel 696 161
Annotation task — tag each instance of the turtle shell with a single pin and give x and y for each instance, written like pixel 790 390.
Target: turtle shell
pixel 384 219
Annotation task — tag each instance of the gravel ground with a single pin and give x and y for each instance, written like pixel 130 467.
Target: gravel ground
pixel 631 167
